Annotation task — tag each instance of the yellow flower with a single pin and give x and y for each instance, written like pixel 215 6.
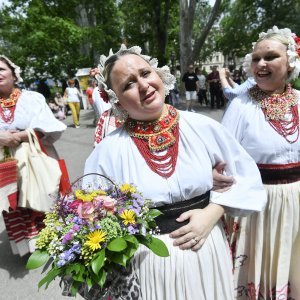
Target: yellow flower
pixel 127 188
pixel 128 216
pixel 88 197
pixel 94 239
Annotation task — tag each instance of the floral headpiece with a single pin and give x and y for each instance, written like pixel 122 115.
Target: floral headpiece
pixel 16 68
pixel 293 50
pixel 163 72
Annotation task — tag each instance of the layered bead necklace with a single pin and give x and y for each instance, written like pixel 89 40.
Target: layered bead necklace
pixel 151 138
pixel 8 106
pixel 280 110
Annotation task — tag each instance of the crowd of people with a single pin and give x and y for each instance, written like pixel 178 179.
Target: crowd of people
pixel 233 188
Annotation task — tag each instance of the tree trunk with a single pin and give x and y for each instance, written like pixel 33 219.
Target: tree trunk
pixel 162 24
pixel 187 13
pixel 200 41
pixel 188 53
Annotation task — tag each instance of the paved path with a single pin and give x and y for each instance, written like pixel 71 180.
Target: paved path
pixel 16 283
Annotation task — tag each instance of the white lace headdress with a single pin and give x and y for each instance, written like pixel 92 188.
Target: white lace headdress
pixel 16 68
pixel 164 72
pixel 293 50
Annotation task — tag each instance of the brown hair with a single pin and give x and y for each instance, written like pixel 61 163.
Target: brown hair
pixel 71 81
pixel 109 64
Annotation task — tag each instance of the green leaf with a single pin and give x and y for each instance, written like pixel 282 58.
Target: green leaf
pixel 131 239
pixel 117 245
pixel 119 258
pixel 79 276
pixel 73 267
pixel 49 277
pixel 89 282
pixel 37 259
pixel 154 212
pixel 74 288
pixel 98 261
pixel 155 245
pixel 102 275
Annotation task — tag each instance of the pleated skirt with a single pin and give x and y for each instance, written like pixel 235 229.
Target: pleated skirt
pixel 205 274
pixel 266 247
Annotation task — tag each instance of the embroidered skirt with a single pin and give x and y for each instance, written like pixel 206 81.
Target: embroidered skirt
pixel 266 247
pixel 22 225
pixel 187 275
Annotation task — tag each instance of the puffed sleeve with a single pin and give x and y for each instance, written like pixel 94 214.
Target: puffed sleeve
pixel 32 111
pixel 247 194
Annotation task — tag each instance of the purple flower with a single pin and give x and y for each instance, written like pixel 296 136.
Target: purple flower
pixel 67 256
pixel 132 230
pixel 67 237
pixel 97 226
pixel 76 248
pixel 76 228
pixel 61 263
pixel 139 199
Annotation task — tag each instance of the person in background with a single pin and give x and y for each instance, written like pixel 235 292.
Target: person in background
pixel 60 102
pixel 265 120
pixel 89 93
pixel 236 76
pixel 216 97
pixel 190 80
pixel 202 90
pixel 73 96
pixel 169 155
pixel 20 110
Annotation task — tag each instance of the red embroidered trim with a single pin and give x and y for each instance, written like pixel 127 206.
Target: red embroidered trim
pixel 151 138
pixel 99 129
pixel 279 167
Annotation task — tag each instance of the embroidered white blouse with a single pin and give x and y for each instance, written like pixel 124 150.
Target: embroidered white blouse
pixel 203 143
pixel 246 121
pixel 32 111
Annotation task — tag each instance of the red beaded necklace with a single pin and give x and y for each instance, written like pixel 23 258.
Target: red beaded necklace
pixel 280 110
pixel 8 106
pixel 151 138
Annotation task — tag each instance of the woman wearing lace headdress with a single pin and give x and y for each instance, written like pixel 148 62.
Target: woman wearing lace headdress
pixel 169 156
pixel 20 110
pixel 265 120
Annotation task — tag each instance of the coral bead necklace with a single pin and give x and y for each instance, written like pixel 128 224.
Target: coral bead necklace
pixel 8 106
pixel 280 110
pixel 152 138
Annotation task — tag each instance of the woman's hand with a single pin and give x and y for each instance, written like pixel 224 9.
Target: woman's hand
pixel 221 183
pixel 9 139
pixel 193 235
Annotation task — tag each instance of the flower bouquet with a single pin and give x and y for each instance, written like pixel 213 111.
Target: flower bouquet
pixel 92 231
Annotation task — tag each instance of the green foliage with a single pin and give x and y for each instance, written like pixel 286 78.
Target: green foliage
pixel 153 25
pixel 55 38
pixel 247 18
pixel 119 251
pixel 37 259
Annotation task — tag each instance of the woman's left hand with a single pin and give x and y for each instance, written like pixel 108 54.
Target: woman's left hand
pixel 193 235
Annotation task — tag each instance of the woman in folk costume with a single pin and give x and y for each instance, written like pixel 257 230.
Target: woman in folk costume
pixel 265 120
pixel 169 156
pixel 20 110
